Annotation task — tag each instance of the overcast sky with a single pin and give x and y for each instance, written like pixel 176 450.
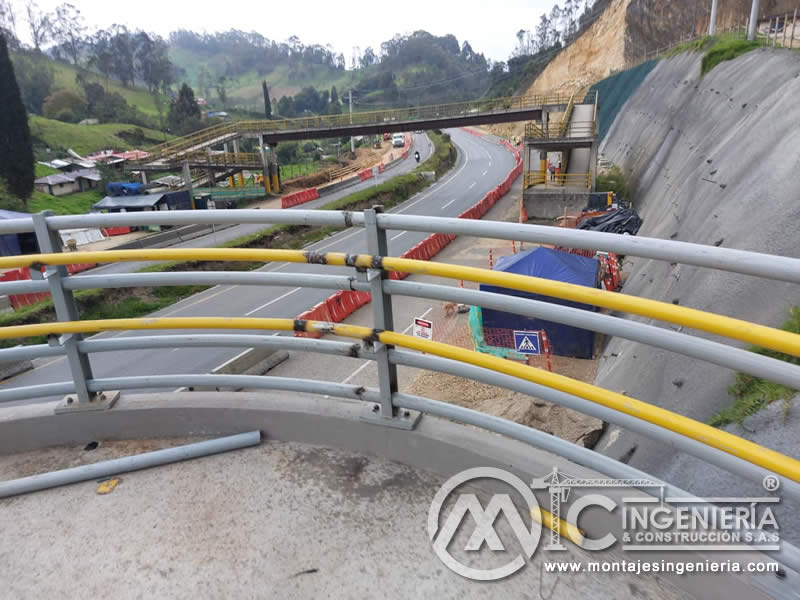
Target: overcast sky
pixel 490 27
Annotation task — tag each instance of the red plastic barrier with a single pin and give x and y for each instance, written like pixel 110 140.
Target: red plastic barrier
pixel 111 231
pixel 473 132
pixel 366 174
pixel 300 197
pixel 334 309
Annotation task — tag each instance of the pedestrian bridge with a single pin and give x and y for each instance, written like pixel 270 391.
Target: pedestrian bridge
pixel 441 116
pixel 424 434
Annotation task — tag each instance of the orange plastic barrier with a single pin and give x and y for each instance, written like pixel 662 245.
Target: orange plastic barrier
pixel 300 197
pixel 20 300
pixel 365 174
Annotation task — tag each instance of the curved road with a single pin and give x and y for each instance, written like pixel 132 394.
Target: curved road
pixel 480 167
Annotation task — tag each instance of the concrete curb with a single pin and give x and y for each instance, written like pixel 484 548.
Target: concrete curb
pixel 253 361
pixel 9 369
pixel 171 237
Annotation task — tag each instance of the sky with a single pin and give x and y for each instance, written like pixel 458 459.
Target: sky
pixel 490 27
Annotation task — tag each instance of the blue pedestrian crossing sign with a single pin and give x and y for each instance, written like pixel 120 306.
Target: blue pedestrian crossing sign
pixel 527 342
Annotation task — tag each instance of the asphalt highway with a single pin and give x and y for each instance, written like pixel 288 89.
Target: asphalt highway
pixel 481 166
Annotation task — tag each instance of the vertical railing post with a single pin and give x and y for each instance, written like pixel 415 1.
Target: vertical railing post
pixel 66 310
pixel 383 320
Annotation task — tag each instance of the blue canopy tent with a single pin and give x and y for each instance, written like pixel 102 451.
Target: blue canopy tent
pixel 14 244
pixel 558 266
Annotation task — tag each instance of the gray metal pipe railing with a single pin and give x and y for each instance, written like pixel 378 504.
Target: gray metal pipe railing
pixel 788 555
pixel 711 455
pixel 352 349
pixel 307 280
pixel 743 262
pixel 714 352
pixel 263 382
pixel 127 464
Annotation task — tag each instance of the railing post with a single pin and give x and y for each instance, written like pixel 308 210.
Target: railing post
pixel 66 310
pixel 383 413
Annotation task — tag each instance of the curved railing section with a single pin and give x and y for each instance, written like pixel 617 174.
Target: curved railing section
pixel 371 272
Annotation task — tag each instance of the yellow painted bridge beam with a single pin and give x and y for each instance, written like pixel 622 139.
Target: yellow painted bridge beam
pixel 753 333
pixel 726 442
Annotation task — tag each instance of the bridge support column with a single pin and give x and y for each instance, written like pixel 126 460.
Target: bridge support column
pixel 236 151
pixel 274 174
pixel 144 177
pixel 593 166
pixel 383 413
pixel 187 176
pixel 66 310
pixel 264 164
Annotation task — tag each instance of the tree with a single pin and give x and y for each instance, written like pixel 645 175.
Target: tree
pixel 101 57
pixel 334 95
pixel 8 24
pixel 267 103
pixel 16 150
pixel 222 92
pixel 286 107
pixel 121 45
pixel 35 79
pixel 69 30
pixel 65 105
pixel 184 114
pixel 40 25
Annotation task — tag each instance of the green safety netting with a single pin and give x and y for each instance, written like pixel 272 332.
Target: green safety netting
pixel 476 331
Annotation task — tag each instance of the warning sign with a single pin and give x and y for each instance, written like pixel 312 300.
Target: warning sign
pixel 423 329
pixel 527 342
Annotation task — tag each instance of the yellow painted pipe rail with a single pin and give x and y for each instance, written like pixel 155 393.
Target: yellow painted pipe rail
pixel 753 333
pixel 731 444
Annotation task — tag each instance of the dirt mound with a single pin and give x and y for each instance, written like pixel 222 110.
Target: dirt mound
pixel 526 410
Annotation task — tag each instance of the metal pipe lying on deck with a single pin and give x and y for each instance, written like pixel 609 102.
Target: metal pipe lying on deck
pixel 44 481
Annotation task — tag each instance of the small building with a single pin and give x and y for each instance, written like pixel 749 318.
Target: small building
pixel 180 200
pixel 62 184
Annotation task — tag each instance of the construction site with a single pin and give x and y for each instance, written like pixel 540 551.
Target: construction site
pixel 584 311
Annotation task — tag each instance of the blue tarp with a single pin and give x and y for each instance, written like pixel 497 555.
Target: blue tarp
pixel 558 266
pixel 9 244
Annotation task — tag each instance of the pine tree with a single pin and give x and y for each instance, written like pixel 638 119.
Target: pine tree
pixel 16 150
pixel 267 103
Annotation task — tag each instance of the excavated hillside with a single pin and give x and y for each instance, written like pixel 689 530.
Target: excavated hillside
pixel 628 29
pixel 711 160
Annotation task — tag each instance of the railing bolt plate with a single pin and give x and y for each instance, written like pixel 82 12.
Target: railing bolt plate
pixel 101 401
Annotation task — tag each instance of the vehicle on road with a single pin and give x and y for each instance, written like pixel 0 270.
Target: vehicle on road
pixel 398 140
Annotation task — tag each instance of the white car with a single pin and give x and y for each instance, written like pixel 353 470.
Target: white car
pixel 398 140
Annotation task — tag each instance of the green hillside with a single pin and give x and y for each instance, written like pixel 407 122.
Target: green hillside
pixel 85 139
pixel 64 77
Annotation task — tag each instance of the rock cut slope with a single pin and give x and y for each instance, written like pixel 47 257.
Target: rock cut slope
pixel 712 161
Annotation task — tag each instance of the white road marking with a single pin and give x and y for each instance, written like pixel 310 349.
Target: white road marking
pixel 255 310
pixel 422 316
pixel 449 203
pixel 485 172
pixel 369 362
pixel 474 183
pixel 357 371
pixel 398 235
pixel 452 177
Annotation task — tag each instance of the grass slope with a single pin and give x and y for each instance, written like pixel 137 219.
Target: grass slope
pixel 750 394
pixel 85 139
pixel 74 204
pixel 65 78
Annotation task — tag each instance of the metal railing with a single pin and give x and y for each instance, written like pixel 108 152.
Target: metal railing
pixel 561 180
pixel 379 343
pixel 471 108
pixel 561 129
